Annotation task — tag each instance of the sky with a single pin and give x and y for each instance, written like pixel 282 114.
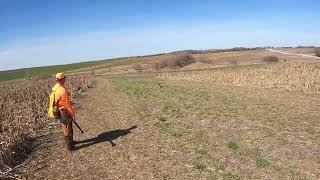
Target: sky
pixel 49 32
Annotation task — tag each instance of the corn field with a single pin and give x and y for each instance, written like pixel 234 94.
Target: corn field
pixel 23 110
pixel 290 77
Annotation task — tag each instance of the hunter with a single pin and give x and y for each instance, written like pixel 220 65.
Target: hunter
pixel 64 109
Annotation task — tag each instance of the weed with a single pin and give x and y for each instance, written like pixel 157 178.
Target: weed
pixel 201 152
pixel 259 161
pixel 231 144
pixel 200 137
pixel 199 166
pixel 311 133
pixel 220 165
pixel 230 176
pixel 213 177
pixel 175 133
pixel 164 126
pixel 170 108
pixel 166 177
pixel 161 118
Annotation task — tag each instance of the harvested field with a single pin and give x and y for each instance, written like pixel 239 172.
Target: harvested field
pixel 289 77
pixel 201 61
pixel 23 111
pixel 188 131
pixel 309 51
pixel 201 121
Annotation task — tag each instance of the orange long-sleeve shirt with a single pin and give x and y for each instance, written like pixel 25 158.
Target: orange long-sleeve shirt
pixel 62 99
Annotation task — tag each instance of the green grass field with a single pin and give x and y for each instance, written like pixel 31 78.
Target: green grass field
pixel 38 71
pixel 229 132
pixel 49 70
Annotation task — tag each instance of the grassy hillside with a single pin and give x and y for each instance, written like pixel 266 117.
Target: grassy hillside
pixel 204 59
pixel 77 67
pixel 38 71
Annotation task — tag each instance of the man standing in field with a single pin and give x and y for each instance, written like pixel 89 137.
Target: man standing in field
pixel 63 108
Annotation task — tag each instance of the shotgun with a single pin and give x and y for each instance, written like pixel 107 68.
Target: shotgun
pixel 77 125
pixel 65 119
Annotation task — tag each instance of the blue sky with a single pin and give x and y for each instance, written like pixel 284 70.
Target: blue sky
pixel 40 32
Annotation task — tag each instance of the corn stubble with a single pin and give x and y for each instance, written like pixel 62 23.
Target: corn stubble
pixel 289 77
pixel 23 110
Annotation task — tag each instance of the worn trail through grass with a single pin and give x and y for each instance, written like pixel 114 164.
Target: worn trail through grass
pixel 143 127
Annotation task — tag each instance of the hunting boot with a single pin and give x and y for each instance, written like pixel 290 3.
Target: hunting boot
pixel 68 143
pixel 71 143
pixel 71 137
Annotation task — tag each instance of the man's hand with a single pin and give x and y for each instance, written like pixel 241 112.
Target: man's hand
pixel 73 117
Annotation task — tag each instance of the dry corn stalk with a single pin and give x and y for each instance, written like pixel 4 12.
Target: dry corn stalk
pixel 290 77
pixel 23 109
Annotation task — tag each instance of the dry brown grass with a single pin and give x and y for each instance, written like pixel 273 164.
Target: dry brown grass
pixel 297 50
pixel 290 77
pixel 138 67
pixel 254 56
pixel 23 110
pixel 242 57
pixel 271 59
pixel 208 60
pixel 174 62
pixel 180 61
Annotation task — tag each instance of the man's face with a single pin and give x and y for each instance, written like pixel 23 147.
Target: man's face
pixel 62 80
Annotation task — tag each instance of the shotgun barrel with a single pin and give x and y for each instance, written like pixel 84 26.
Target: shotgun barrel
pixel 77 126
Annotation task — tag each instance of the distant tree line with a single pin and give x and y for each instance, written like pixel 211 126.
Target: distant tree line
pixel 216 50
pixel 232 49
pixel 182 52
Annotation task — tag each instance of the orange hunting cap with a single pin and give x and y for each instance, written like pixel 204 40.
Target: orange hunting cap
pixel 60 76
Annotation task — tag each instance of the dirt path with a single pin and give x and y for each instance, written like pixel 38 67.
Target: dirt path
pixel 293 54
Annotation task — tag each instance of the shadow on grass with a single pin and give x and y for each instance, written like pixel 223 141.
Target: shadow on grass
pixel 103 137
